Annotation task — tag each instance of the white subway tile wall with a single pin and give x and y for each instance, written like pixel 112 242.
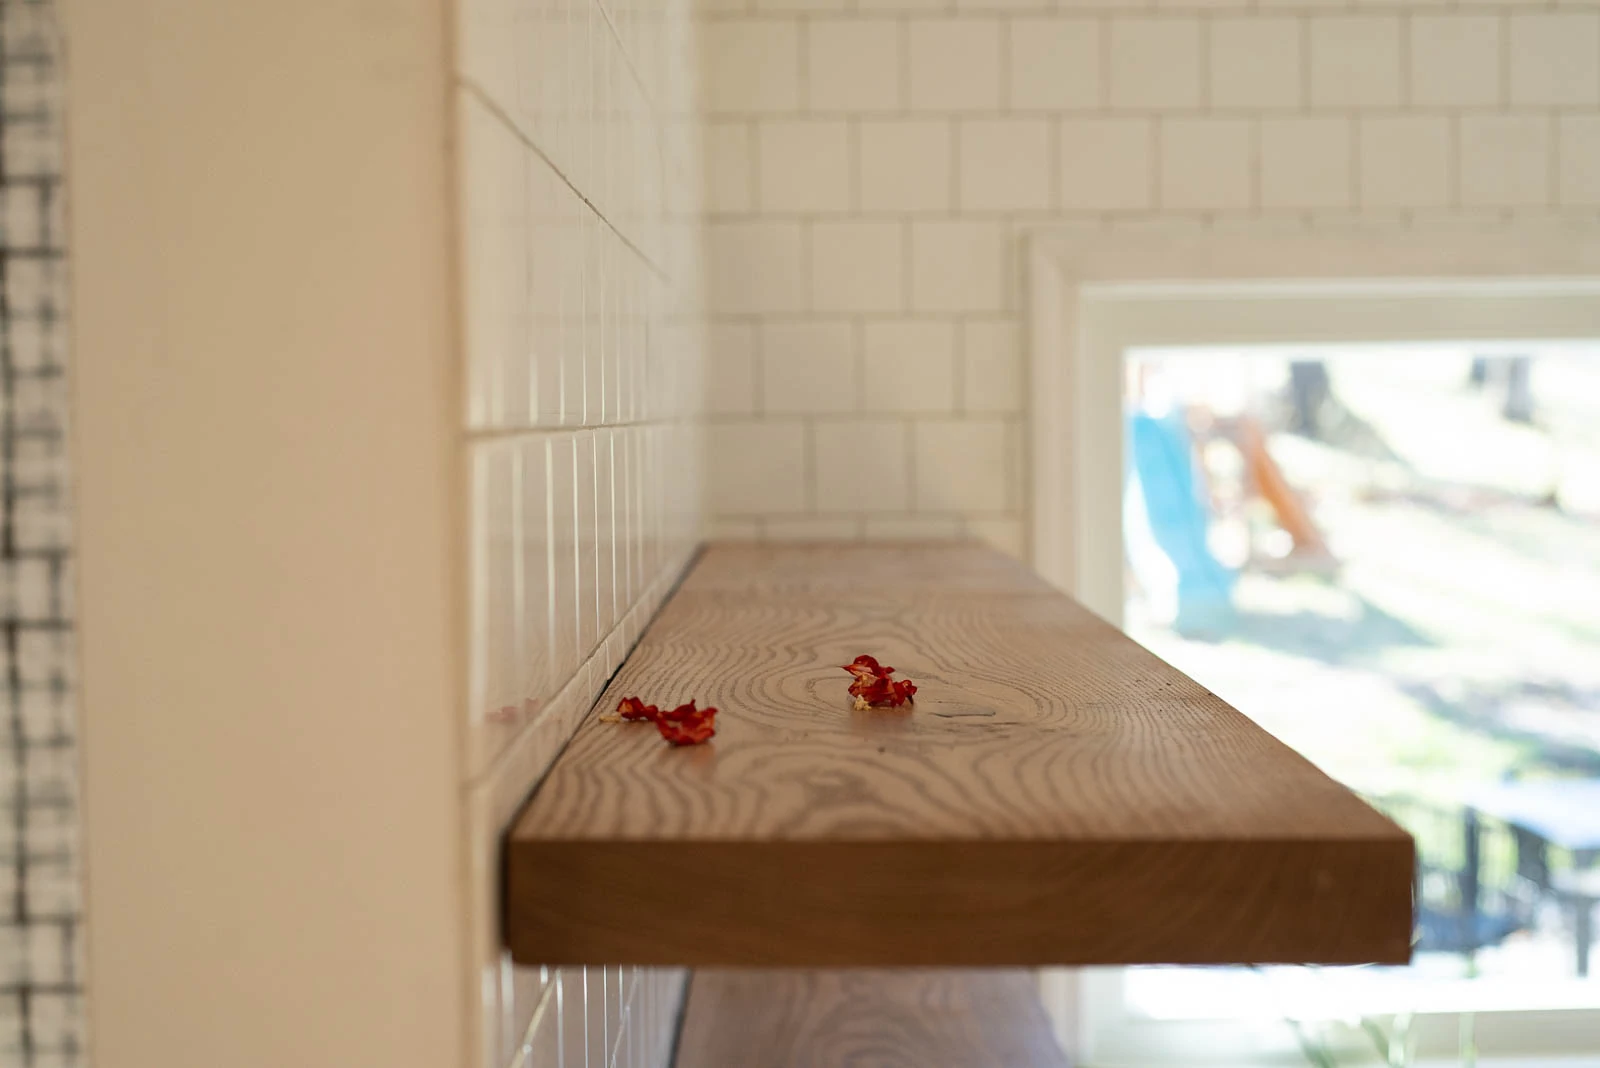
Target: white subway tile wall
pixel 868 372
pixel 42 1018
pixel 614 1016
pixel 579 178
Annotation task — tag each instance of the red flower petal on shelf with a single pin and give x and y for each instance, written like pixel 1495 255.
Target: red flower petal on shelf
pixel 865 668
pixel 687 725
pixel 633 710
pixel 873 688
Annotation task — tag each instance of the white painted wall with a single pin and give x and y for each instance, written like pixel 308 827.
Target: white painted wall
pixel 388 380
pixel 267 493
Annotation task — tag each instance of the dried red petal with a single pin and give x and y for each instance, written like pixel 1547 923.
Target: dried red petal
pixel 872 686
pixel 687 725
pixel 866 668
pixel 681 712
pixel 633 709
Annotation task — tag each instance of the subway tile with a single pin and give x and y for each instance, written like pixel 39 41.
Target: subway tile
pixel 537 685
pixel 1006 535
pixel 482 675
pixel 587 617
pixel 571 1025
pixel 618 262
pixel 909 366
pixel 563 523
pixel 1205 164
pixel 726 528
pixel 546 207
pixel 585 30
pixel 571 240
pixel 954 64
pixel 527 993
pixel 755 266
pixel 1306 163
pixel 756 468
pixel 629 582
pixel 957 265
pixel 494 192
pixel 1054 64
pixel 861 466
pixel 1005 164
pixel 648 462
pixel 1554 58
pixel 1455 60
pixel 731 368
pixel 499 487
pixel 1155 63
pixel 803 165
pixel 906 164
pixel 853 65
pixel 730 166
pixel 1190 6
pixel 1505 160
pixel 961 466
pixel 1404 161
pixel 487 50
pixel 1106 164
pixel 626 1054
pixel 524 581
pixel 597 179
pixel 1011 447
pixel 613 978
pixel 603 363
pixel 587 371
pixel 814 528
pixel 992 366
pixel 1255 62
pixel 605 530
pixel 751 67
pixel 543 1041
pixel 808 367
pixel 913 528
pixel 1579 153
pixel 628 402
pixel 857 266
pixel 1413 4
pixel 801 6
pixel 1004 5
pixel 1355 61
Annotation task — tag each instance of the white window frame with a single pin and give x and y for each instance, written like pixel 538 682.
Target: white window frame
pixel 1091 298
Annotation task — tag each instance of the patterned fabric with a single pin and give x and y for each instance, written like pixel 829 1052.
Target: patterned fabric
pixel 41 972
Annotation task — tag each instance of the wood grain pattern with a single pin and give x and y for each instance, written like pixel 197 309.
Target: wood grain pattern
pixel 866 1019
pixel 1056 795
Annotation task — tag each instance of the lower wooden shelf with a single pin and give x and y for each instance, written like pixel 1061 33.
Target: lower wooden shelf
pixel 1055 795
pixel 888 1019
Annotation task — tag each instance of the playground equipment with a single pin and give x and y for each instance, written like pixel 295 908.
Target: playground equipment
pixel 1165 520
pixel 1168 513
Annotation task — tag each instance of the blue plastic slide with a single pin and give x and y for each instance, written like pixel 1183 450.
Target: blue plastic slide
pixel 1165 518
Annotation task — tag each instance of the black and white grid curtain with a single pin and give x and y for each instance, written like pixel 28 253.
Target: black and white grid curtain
pixel 41 976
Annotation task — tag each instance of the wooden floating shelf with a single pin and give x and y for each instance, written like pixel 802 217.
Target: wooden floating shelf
pixel 1056 795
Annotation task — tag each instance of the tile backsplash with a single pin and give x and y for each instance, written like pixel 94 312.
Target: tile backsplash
pixel 874 166
pixel 41 918
pixel 579 184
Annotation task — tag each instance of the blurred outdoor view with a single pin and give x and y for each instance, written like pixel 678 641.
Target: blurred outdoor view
pixel 1389 557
